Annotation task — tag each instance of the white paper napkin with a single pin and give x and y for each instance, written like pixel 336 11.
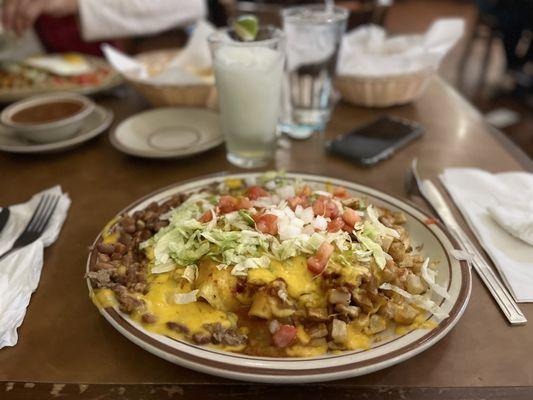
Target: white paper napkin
pixel 189 67
pixel 21 270
pixel 367 51
pixel 480 195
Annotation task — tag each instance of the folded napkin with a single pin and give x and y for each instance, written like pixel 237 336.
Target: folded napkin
pixel 496 209
pixel 368 52
pixel 191 66
pixel 21 270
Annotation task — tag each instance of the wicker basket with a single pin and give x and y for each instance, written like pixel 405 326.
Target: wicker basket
pixel 383 91
pixel 203 95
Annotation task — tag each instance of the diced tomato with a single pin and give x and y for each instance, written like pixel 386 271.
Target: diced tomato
pixel 305 191
pixel 347 228
pixel 332 211
pixel 319 207
pixel 244 203
pixel 266 223
pixel 87 79
pixel 284 335
pixel 351 217
pixel 340 192
pixel 326 207
pixel 227 204
pixel 255 192
pixel 206 217
pixel 335 225
pixel 297 201
pixel 431 221
pixel 317 263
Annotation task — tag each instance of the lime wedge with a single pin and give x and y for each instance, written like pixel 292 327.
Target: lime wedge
pixel 246 27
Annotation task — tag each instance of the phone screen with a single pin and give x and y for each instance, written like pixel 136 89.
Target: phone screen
pixel 375 141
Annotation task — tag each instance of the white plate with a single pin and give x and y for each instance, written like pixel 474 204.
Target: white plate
pixel 437 243
pixel 97 122
pixel 109 82
pixel 168 133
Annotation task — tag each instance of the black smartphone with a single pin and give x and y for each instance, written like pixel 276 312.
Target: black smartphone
pixel 376 140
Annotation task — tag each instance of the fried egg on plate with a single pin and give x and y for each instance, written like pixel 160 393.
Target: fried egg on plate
pixel 68 64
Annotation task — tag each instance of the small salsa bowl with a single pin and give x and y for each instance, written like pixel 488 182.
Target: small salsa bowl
pixel 47 118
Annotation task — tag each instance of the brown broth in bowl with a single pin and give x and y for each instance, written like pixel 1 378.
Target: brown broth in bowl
pixel 47 112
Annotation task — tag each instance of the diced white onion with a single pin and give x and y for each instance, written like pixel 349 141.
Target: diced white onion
pixel 320 223
pixel 270 185
pixel 307 215
pixel 185 298
pixel 190 273
pixel 273 326
pixel 286 192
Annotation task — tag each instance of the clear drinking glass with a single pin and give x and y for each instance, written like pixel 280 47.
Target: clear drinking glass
pixel 248 79
pixel 313 35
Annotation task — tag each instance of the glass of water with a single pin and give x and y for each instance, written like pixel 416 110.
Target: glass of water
pixel 314 33
pixel 248 78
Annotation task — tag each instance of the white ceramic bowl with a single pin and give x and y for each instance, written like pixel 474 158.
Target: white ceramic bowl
pixel 47 132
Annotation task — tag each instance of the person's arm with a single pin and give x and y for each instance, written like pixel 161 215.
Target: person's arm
pixel 20 15
pixel 107 19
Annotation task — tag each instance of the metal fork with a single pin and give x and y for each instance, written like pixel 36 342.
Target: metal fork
pixel 38 222
pixel 429 192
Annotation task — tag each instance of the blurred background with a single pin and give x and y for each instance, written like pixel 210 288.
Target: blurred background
pixel 491 66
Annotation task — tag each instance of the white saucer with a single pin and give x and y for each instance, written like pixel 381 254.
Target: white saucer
pixel 97 122
pixel 168 133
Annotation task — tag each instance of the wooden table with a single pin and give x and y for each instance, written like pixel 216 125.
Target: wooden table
pixel 67 348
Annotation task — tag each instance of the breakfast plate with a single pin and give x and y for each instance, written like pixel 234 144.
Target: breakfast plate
pixel 168 132
pixel 383 271
pixel 93 125
pixel 52 73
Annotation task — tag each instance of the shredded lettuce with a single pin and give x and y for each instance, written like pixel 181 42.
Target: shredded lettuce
pixel 245 215
pixel 377 251
pixel 241 268
pixel 271 176
pixel 370 231
pixel 382 229
pixel 429 277
pixel 161 268
pixel 418 300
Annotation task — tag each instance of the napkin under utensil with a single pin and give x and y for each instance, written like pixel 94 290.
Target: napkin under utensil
pixel 191 66
pixel 499 210
pixel 368 52
pixel 20 271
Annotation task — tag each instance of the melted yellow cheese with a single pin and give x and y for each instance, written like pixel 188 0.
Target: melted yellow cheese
pixel 355 339
pixel 103 298
pixel 159 301
pixel 218 289
pixel 419 323
pixel 294 272
pixel 298 350
pixel 108 236
pixel 302 335
pixel 233 183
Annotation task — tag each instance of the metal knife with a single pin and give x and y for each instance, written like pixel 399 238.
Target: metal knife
pixel 485 272
pixel 4 217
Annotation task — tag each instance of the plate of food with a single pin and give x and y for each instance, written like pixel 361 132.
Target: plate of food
pixel 277 277
pixel 71 72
